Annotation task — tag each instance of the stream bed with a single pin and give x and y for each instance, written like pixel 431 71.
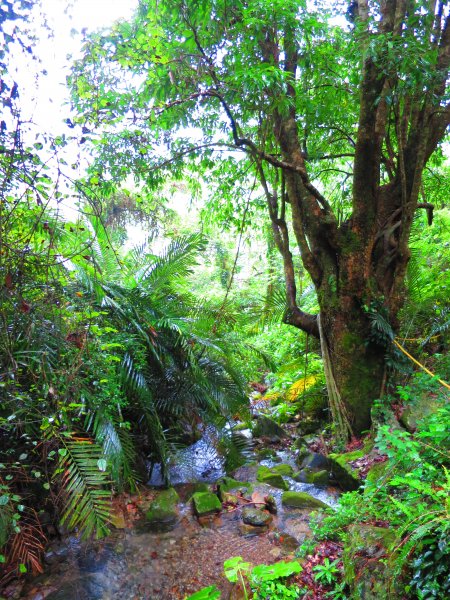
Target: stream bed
pixel 134 563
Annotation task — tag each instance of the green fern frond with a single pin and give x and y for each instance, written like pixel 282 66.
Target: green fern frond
pixel 83 478
pixel 118 447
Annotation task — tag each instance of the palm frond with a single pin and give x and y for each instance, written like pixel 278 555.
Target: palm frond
pixel 174 263
pixel 27 545
pixel 83 480
pixel 117 445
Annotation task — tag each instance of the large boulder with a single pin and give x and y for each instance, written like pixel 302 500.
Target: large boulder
pixel 206 503
pixel 346 475
pixel 256 516
pixel 301 500
pixel 269 428
pixel 163 511
pixel 314 460
pixel 365 571
pixel 321 477
pixel 266 475
pixel 418 408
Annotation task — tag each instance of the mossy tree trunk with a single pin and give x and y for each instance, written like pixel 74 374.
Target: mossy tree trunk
pixel 362 261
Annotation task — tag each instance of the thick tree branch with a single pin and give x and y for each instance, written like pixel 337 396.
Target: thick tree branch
pixel 294 315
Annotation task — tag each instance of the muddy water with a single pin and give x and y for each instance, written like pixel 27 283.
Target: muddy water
pixel 137 564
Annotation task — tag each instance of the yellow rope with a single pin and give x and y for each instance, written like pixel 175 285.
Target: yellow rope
pixel 435 337
pixel 415 361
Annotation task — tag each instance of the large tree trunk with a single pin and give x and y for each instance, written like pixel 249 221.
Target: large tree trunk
pixel 362 262
pixel 357 364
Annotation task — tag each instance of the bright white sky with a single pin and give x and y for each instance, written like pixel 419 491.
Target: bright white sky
pixel 67 18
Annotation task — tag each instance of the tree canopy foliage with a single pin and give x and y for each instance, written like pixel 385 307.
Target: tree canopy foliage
pixel 334 123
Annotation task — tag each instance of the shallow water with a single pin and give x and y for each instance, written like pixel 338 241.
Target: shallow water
pixel 198 462
pixel 137 564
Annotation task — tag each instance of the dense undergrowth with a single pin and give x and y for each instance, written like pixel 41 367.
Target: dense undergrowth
pixel 390 538
pixel 111 359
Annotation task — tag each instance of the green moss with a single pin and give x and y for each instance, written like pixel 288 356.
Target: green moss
pixel 283 469
pixel 318 477
pixel 206 503
pixel 347 477
pixel 266 475
pixel 227 484
pixel 198 487
pixel 164 508
pixel 377 472
pixel 350 341
pixel 301 500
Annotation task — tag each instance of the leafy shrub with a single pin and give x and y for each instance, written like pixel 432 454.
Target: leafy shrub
pixel 411 498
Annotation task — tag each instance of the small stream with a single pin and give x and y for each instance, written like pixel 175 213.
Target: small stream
pixel 134 563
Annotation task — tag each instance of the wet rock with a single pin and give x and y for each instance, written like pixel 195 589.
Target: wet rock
pixel 245 473
pixel 163 511
pixel 56 553
pixel 347 477
pixel 314 461
pixel 288 542
pixel 266 475
pixel 283 469
pixel 271 504
pixel 266 427
pixel 298 529
pixel 228 498
pixel 315 477
pixel 250 530
pixel 206 503
pixel 255 516
pixel 228 484
pixel 301 500
pixel 264 453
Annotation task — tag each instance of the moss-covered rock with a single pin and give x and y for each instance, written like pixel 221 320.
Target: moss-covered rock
pixel 266 475
pixel 347 477
pixel 264 453
pixel 417 409
pixel 163 511
pixel 266 427
pixel 308 425
pixel 301 500
pixel 367 576
pixel 283 469
pixel 302 452
pixel 320 477
pixel 377 472
pixel 256 516
pixel 309 439
pixel 314 460
pixel 228 484
pixel 206 503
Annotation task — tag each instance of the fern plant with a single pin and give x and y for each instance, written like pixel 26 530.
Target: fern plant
pixel 84 483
